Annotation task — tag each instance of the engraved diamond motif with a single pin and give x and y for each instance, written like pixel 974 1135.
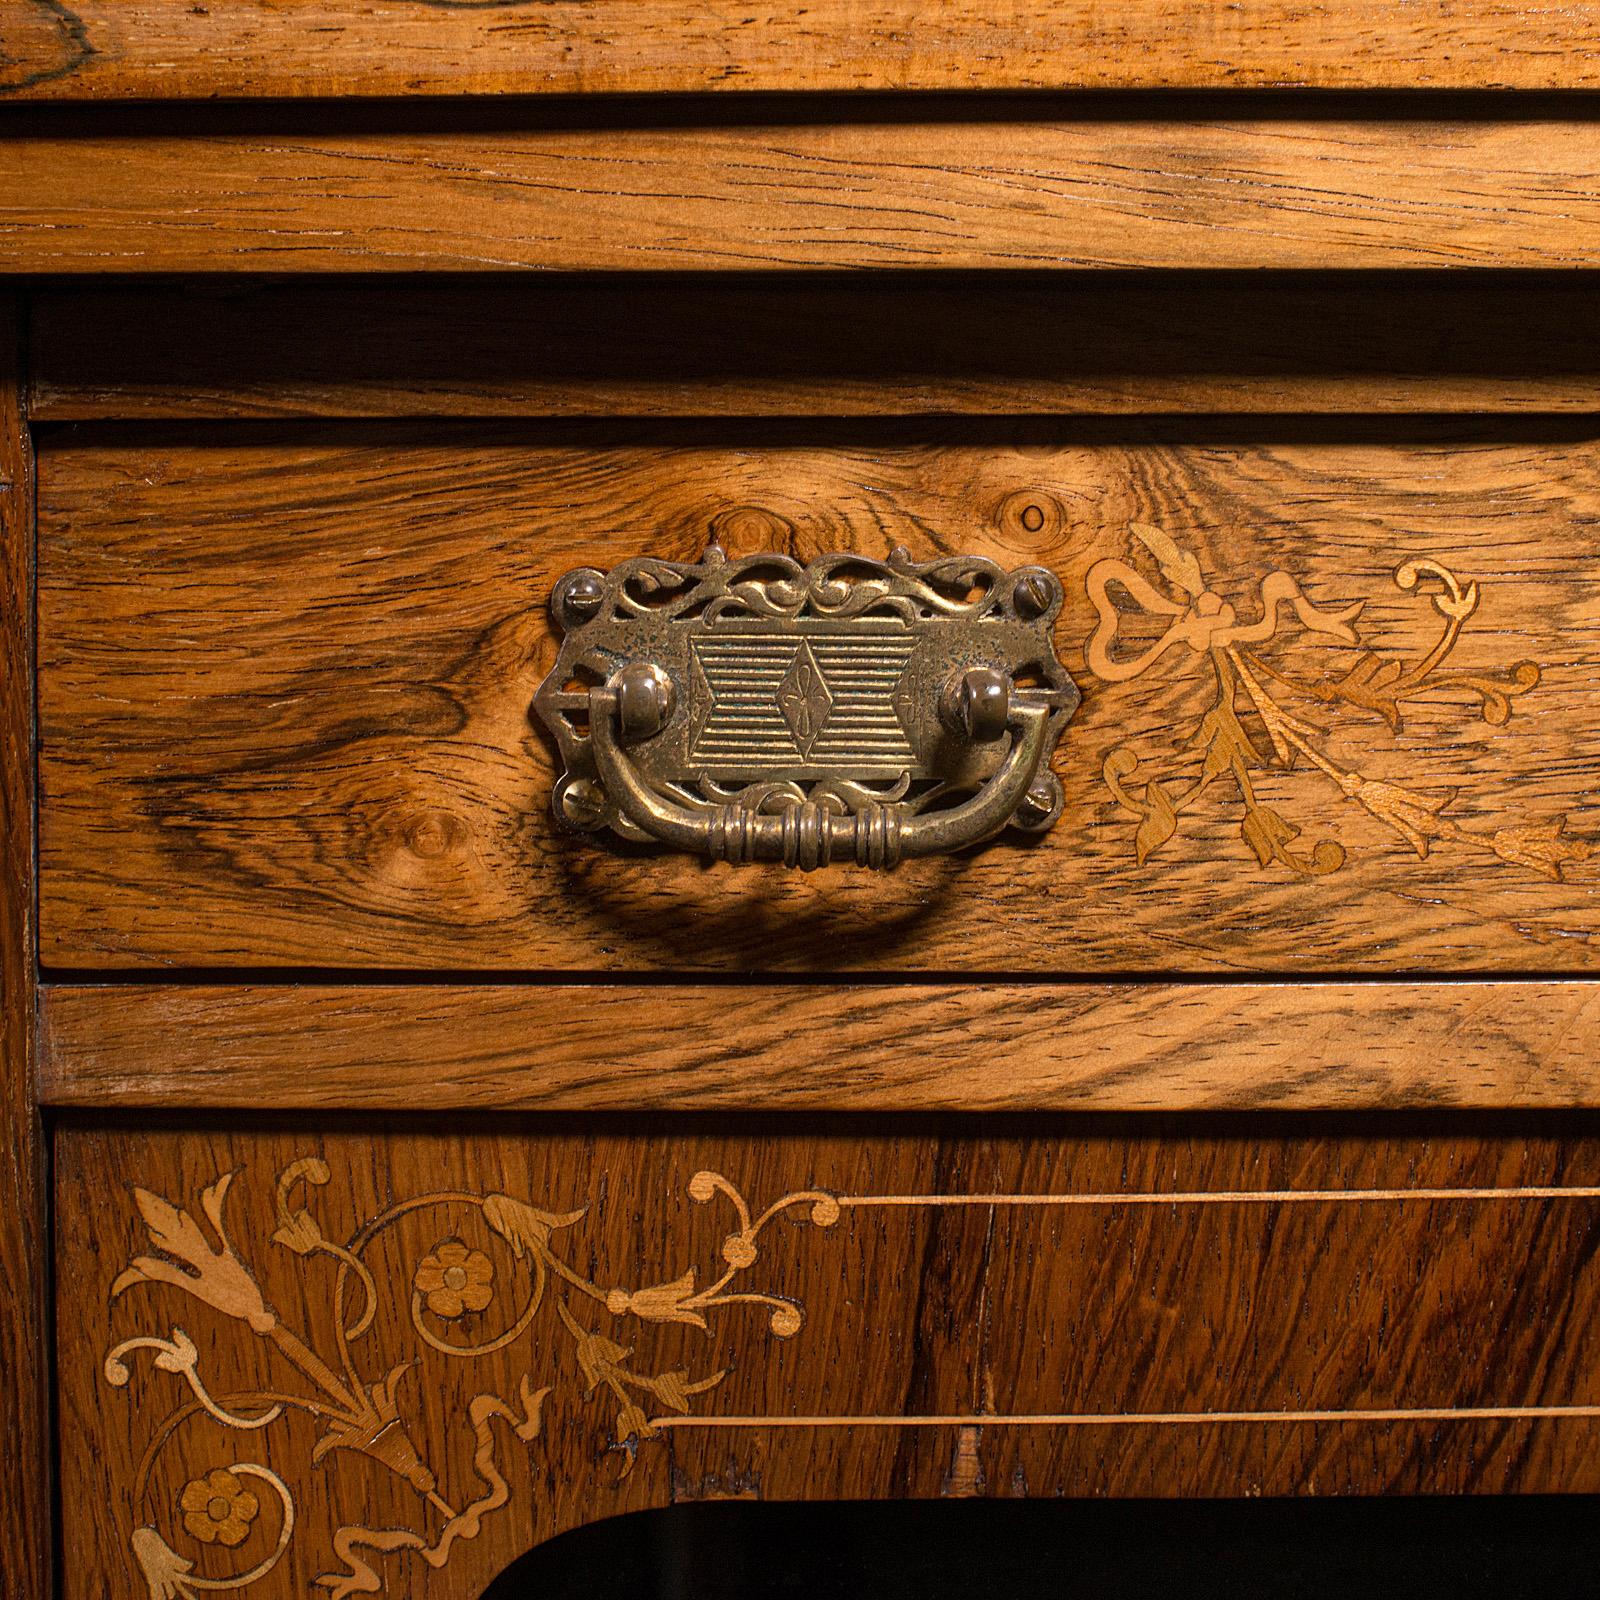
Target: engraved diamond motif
pixel 805 699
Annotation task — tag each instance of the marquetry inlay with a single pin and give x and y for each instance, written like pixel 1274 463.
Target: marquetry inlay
pixel 1206 633
pixel 351 1388
pixel 353 1398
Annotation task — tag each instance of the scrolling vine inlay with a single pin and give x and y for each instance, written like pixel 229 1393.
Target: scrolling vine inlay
pixel 1224 747
pixel 244 1505
pixel 354 1400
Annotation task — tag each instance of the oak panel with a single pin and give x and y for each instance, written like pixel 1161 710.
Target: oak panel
pixel 285 684
pixel 822 1047
pixel 161 49
pixel 985 192
pixel 689 345
pixel 814 1312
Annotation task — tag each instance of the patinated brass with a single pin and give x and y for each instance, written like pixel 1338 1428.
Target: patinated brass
pixel 846 709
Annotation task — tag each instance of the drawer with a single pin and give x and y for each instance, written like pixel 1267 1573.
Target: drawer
pixel 392 1359
pixel 1340 692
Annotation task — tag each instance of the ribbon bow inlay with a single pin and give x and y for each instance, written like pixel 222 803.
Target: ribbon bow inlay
pixel 1223 746
pixel 1205 621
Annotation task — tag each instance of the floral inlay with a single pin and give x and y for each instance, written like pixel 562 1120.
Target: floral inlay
pixel 218 1508
pixel 454 1280
pixel 1251 725
pixel 357 1406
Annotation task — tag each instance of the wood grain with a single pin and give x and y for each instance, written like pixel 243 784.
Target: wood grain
pixel 670 345
pixel 822 1047
pixel 1402 1311
pixel 286 678
pixel 25 1474
pixel 1002 193
pixel 161 49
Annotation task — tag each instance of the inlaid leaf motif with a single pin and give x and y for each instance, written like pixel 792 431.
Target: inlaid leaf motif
pixel 164 1570
pixel 1159 825
pixel 661 1302
pixel 213 1274
pixel 1543 846
pixel 632 1424
pixel 1226 744
pixel 1267 833
pixel 1180 567
pixel 1415 817
pixel 525 1228
pixel 1200 623
pixel 672 1390
pixel 299 1230
pixel 598 1357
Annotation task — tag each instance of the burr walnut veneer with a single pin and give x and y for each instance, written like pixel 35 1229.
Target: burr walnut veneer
pixel 395 1176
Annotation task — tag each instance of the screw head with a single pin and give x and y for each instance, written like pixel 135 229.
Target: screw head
pixel 1035 592
pixel 577 597
pixel 580 803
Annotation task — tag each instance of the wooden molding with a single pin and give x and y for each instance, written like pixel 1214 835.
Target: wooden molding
pixel 171 49
pixel 823 1047
pixel 992 193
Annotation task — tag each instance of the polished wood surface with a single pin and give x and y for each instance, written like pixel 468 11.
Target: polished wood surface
pixel 286 678
pixel 729 345
pixel 25 1530
pixel 426 1180
pixel 822 1047
pixel 994 191
pixel 158 49
pixel 251 1321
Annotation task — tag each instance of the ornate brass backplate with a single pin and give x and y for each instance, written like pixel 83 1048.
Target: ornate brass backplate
pixel 846 709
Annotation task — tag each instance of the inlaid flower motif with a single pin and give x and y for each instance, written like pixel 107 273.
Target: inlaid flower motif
pixel 454 1280
pixel 218 1509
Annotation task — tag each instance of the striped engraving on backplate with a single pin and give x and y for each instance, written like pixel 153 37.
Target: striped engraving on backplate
pixel 787 700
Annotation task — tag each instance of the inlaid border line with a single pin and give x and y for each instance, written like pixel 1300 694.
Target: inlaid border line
pixel 1137 1419
pixel 1179 1418
pixel 1214 1197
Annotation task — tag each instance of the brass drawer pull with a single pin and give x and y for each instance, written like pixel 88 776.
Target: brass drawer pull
pixel 848 709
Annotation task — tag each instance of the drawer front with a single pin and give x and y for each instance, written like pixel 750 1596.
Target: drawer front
pixel 1341 694
pixel 393 1360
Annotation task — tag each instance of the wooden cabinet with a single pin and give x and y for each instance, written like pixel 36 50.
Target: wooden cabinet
pixel 420 1177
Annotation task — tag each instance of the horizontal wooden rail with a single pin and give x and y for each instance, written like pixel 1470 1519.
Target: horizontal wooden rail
pixel 970 194
pixel 824 1047
pixel 154 49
